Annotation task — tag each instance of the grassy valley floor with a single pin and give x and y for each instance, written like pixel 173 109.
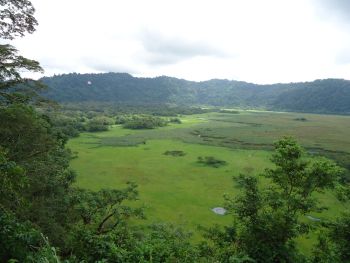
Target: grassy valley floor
pixel 181 190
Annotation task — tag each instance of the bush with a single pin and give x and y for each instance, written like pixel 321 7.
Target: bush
pixel 211 161
pixel 97 124
pixel 144 122
pixel 175 153
pixel 300 119
pixel 121 119
pixel 175 120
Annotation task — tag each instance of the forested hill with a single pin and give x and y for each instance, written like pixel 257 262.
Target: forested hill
pixel 322 96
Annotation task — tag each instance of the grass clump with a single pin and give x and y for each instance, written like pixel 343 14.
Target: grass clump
pixel 211 161
pixel 300 119
pixel 175 153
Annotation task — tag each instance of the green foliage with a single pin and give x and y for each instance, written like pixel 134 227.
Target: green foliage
pixel 320 96
pixel 269 220
pixel 102 230
pixel 98 124
pixel 13 88
pixel 12 181
pixel 175 120
pixel 164 243
pixel 122 119
pixel 16 18
pixel 69 126
pixel 40 152
pixel 222 245
pixel 37 139
pixel 325 251
pixel 144 122
pixel 39 202
pixel 211 161
pixel 327 96
pixel 16 238
pixel 21 242
pixel 335 242
pixel 155 243
pixel 27 145
pixel 103 211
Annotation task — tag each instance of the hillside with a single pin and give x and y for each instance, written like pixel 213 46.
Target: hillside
pixel 319 96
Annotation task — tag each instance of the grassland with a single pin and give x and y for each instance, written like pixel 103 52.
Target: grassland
pixel 178 188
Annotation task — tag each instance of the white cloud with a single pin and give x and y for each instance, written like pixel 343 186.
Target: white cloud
pixel 258 41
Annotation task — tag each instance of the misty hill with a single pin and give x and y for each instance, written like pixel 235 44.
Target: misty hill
pixel 321 96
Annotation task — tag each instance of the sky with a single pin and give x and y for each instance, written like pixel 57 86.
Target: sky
pixel 259 41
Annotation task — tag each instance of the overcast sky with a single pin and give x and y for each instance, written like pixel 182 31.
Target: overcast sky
pixel 260 41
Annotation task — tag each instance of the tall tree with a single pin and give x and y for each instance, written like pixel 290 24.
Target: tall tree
pixel 16 19
pixel 33 161
pixel 268 220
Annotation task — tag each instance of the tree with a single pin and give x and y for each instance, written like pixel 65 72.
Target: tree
pixel 339 234
pixel 16 19
pixel 268 220
pixel 21 242
pixel 12 181
pixel 39 176
pixel 334 239
pixel 97 124
pixel 11 64
pixel 164 243
pixel 144 122
pixel 101 229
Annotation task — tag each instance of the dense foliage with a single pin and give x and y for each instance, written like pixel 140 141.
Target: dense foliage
pixel 144 122
pixel 322 96
pixel 269 220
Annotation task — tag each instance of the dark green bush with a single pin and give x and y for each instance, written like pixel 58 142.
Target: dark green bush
pixel 144 122
pixel 300 119
pixel 175 120
pixel 97 124
pixel 175 153
pixel 211 161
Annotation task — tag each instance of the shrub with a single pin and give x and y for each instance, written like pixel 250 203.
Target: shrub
pixel 211 161
pixel 175 153
pixel 175 120
pixel 97 124
pixel 300 119
pixel 144 122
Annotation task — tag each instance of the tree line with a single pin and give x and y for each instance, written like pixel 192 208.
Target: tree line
pixel 319 96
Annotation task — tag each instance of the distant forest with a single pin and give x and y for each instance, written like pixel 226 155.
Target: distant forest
pixel 319 96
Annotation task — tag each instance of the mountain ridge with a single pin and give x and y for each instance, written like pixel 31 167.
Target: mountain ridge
pixel 319 96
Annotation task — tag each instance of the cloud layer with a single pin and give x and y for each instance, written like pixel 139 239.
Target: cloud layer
pixel 163 50
pixel 253 40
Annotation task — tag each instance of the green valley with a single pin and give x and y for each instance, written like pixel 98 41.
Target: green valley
pixel 179 189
